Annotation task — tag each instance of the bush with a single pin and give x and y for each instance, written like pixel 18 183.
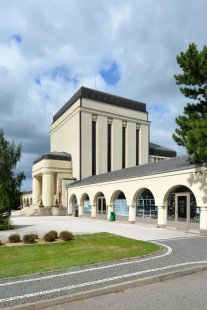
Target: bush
pixel 15 238
pixel 49 237
pixel 66 235
pixel 1 243
pixel 5 223
pixel 29 238
pixel 54 233
pixel 35 236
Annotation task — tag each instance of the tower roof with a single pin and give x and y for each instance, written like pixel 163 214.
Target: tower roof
pixel 96 95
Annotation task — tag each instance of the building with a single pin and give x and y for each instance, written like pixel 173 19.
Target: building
pixel 101 160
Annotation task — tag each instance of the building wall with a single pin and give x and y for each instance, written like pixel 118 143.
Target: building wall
pixel 118 115
pixel 160 185
pixel 65 136
pixel 72 133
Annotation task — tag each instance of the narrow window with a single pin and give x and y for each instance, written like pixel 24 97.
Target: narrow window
pixel 137 145
pixel 109 148
pixel 123 147
pixel 93 147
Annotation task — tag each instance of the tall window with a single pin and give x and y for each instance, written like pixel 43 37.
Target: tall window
pixel 137 145
pixel 109 147
pixel 124 145
pixel 93 146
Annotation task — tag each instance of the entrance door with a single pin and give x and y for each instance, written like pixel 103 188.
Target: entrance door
pixel 101 206
pixel 182 211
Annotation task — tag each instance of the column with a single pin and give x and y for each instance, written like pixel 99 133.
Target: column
pixel 69 204
pixel 110 209
pixel 36 189
pixel 80 210
pixel 132 214
pixel 203 221
pixel 93 211
pixel 48 189
pixel 162 216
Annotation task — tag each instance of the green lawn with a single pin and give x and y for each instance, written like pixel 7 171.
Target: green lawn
pixel 83 250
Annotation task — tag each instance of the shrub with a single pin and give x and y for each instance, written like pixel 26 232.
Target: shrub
pixel 1 243
pixel 35 236
pixel 29 238
pixel 5 223
pixel 49 237
pixel 54 233
pixel 15 238
pixel 66 235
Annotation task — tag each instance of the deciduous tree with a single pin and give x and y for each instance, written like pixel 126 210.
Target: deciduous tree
pixel 10 182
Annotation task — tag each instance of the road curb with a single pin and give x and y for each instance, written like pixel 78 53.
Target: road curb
pixel 108 289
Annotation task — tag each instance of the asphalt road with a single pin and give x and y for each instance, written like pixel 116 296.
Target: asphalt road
pixel 179 254
pixel 182 293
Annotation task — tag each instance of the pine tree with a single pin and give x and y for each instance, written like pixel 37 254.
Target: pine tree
pixel 10 182
pixel 192 131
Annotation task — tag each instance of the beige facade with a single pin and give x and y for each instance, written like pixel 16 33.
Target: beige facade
pixel 160 183
pixel 49 178
pixel 92 134
pixel 72 132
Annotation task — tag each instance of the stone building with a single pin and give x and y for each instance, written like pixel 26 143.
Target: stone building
pixel 101 160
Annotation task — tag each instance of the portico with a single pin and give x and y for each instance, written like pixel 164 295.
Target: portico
pixel 51 172
pixel 155 183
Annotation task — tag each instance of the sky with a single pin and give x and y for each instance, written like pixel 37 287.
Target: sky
pixel 50 48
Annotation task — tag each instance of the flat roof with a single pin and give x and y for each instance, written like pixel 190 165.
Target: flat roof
pixel 167 165
pixel 54 156
pixel 158 150
pixel 92 94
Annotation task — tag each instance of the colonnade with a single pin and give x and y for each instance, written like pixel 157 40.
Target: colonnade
pixel 43 189
pixel 132 216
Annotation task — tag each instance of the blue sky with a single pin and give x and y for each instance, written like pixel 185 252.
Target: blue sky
pixel 51 48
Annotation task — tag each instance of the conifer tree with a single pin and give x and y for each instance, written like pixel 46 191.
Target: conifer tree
pixel 192 131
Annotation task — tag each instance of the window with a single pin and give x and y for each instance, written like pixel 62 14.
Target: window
pixel 121 207
pixel 93 147
pixel 137 145
pixel 124 145
pixel 109 148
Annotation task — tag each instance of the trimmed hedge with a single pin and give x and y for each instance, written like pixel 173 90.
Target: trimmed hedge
pixel 54 233
pixel 49 237
pixel 66 235
pixel 14 238
pixel 29 238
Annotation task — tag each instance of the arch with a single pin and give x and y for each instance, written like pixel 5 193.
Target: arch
pixel 119 202
pixel 170 202
pixel 98 194
pixel 115 195
pixel 99 203
pixel 73 204
pixel 138 193
pixel 30 201
pixel 85 203
pixel 172 189
pixel 145 204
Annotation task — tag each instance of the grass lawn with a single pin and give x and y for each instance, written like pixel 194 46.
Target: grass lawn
pixel 83 250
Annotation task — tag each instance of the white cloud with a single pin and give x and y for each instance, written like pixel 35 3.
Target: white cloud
pixel 81 38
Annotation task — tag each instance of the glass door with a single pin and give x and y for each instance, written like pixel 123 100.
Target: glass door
pixel 182 211
pixel 101 206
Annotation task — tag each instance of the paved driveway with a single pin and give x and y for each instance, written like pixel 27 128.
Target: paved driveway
pixel 181 250
pixel 41 225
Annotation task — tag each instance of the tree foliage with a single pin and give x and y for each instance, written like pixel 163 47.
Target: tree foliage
pixel 192 131
pixel 10 182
